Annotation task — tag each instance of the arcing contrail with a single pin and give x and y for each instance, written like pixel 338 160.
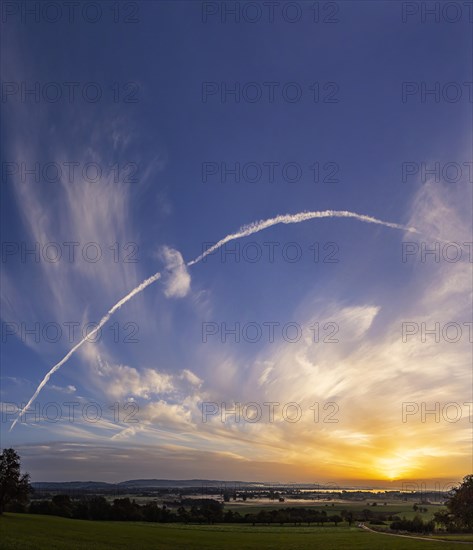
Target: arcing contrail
pixel 256 227
pixel 244 231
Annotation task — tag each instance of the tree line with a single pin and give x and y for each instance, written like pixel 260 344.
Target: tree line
pixel 201 511
pixel 210 511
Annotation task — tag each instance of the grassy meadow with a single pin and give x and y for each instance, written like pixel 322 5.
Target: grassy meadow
pixel 35 532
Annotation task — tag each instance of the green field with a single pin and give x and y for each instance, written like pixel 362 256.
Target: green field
pixel 400 509
pixel 31 532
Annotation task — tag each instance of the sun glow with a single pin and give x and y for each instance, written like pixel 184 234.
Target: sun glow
pixel 394 467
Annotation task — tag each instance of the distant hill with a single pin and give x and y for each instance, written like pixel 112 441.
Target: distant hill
pixel 71 485
pixel 181 483
pixel 138 483
pixel 134 484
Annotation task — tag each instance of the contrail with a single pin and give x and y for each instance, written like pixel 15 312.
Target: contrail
pixel 244 231
pixel 256 227
pixel 102 322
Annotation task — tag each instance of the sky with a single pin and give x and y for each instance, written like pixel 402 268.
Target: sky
pixel 136 135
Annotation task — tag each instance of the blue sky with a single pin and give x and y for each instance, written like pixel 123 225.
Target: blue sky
pixel 168 57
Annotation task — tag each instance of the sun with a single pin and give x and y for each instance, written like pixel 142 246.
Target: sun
pixel 394 467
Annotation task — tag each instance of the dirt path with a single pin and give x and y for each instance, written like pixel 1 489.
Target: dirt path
pixel 363 526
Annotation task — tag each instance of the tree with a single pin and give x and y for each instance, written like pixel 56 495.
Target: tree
pixel 14 487
pixel 123 509
pixel 228 517
pixel 212 510
pixel 459 515
pixel 61 505
pixel 99 508
pixel 336 519
pixel 415 525
pixel 348 516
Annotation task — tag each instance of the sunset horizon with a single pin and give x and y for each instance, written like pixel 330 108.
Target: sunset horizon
pixel 237 245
